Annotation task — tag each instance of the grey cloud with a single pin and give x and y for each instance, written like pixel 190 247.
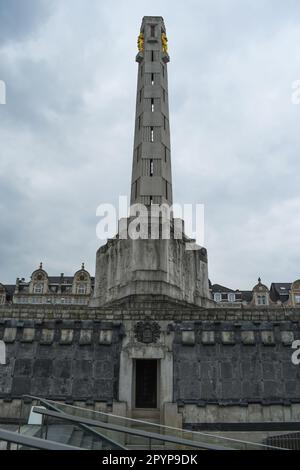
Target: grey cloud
pixel 20 18
pixel 67 131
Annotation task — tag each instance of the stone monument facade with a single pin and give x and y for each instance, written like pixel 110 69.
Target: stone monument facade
pixel 147 268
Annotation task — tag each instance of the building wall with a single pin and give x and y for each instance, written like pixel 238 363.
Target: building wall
pixel 215 364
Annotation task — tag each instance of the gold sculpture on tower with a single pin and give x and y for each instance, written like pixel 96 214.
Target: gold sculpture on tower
pixel 140 42
pixel 164 41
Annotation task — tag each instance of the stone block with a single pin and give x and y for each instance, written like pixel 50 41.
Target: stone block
pixel 248 337
pixel 47 336
pixel 171 417
pixel 188 337
pixel 267 338
pixel 66 336
pixel 287 337
pixel 21 386
pixel 228 337
pixel 42 368
pixel 23 367
pixel 10 335
pixel 208 337
pixel 62 368
pixel 85 337
pixel 105 337
pixel 28 335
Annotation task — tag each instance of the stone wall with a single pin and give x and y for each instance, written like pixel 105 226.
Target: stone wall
pixel 236 362
pixel 60 360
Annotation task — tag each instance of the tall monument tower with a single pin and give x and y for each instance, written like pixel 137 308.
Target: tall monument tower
pixel 151 169
pixel 151 269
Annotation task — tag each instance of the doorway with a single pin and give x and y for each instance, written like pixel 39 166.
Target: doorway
pixel 146 372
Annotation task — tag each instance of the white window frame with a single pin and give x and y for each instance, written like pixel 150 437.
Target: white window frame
pixel 297 299
pixel 231 297
pixel 81 289
pixel 217 297
pixel 261 299
pixel 38 288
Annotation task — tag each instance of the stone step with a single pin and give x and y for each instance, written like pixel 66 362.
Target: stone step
pixel 76 438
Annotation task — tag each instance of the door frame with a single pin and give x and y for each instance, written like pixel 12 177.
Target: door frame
pixel 158 375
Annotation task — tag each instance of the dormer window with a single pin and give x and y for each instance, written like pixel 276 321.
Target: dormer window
pixel 261 299
pixel 217 297
pixel 297 299
pixel 81 289
pixel 231 297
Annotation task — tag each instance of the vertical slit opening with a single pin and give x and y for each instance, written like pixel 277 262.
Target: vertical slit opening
pixel 152 134
pixel 151 167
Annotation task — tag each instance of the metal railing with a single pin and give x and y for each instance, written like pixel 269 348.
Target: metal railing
pixel 11 437
pixel 112 444
pixel 120 431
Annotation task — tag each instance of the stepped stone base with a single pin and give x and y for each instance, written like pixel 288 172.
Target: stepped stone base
pixel 154 269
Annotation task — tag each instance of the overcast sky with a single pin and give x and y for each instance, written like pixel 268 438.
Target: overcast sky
pixel 66 133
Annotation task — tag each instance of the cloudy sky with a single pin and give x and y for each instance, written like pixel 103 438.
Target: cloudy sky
pixel 66 132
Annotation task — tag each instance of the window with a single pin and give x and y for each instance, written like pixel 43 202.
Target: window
pixel 141 95
pixel 261 299
pixel 152 31
pixel 151 167
pixel 165 122
pixel 152 78
pixel 142 69
pixel 151 134
pixel 165 153
pixel 231 297
pixel 217 297
pixel 152 56
pixel 38 288
pixel 135 192
pixel 140 121
pixel 152 105
pixel 297 299
pixel 81 289
pixel 166 189
pixel 163 70
pixel 164 94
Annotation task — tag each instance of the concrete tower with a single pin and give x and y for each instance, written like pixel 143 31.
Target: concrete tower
pixel 151 269
pixel 151 169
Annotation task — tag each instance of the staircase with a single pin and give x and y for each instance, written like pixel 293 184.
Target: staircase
pixel 145 418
